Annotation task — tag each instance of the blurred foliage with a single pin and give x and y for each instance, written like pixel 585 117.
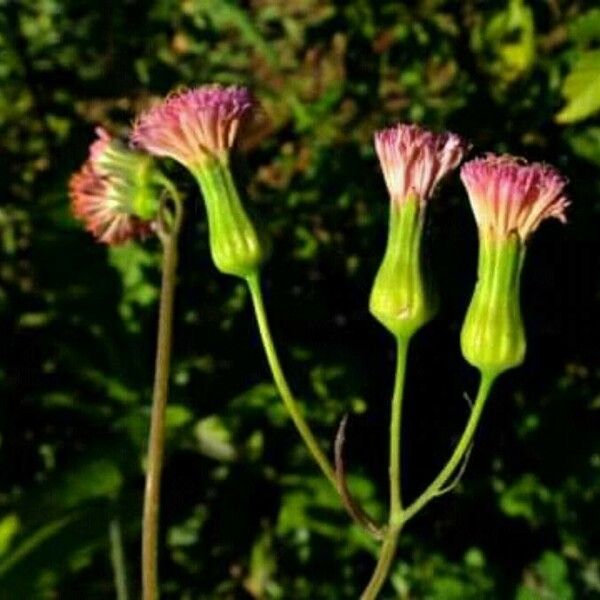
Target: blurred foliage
pixel 245 513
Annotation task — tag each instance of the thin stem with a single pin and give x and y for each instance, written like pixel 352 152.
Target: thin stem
pixel 396 432
pixel 281 383
pixel 156 441
pixel 117 557
pixel 388 549
pixel 386 557
pixel 487 380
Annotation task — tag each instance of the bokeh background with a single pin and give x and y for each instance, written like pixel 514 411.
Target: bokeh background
pixel 245 512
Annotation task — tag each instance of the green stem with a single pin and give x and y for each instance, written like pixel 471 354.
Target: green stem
pixel 386 557
pixel 395 433
pixel 156 440
pixel 281 383
pixel 388 549
pixel 117 557
pixel 487 380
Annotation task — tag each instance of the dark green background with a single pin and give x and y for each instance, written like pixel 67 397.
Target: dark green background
pixel 245 512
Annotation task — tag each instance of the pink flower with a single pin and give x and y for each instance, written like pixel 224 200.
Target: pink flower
pixel 508 194
pixel 194 125
pixel 414 160
pixel 103 191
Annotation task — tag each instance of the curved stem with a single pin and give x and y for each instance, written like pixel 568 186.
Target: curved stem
pixel 388 549
pixel 156 440
pixel 280 381
pixel 487 380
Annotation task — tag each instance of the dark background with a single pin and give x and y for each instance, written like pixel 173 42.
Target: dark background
pixel 245 511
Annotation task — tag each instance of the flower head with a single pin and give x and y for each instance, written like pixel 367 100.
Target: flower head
pixel 112 192
pixel 194 125
pixel 510 195
pixel 414 160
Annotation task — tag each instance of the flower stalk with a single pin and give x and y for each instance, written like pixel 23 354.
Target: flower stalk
pixel 168 231
pixel 116 196
pixel 399 515
pixel 413 161
pixel 289 401
pixel 396 518
pixel 198 128
pixel 461 448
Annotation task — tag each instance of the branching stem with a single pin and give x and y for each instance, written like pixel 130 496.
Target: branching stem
pixel 399 515
pixel 463 445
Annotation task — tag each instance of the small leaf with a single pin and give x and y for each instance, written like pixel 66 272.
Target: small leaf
pixel 9 526
pixel 581 89
pixel 214 439
pixel 586 144
pixel 96 479
pixel 30 543
pixel 526 498
pixel 585 28
pixel 549 579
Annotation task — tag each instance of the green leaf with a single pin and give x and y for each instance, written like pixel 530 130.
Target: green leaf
pixel 214 439
pixel 525 498
pixel 581 89
pixel 509 39
pixel 549 580
pixel 96 479
pixel 9 526
pixel 132 261
pixel 32 542
pixel 586 144
pixel 262 567
pixel 585 28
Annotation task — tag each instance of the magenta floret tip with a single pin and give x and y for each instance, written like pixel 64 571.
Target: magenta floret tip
pixel 414 159
pixel 508 194
pixel 194 125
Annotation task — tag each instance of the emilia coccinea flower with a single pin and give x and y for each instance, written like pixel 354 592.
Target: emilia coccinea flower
pixel 510 198
pixel 413 161
pixel 114 193
pixel 198 128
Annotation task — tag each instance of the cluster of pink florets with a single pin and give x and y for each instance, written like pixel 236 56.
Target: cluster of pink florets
pixel 97 198
pixel 194 125
pixel 414 159
pixel 510 195
pixel 507 194
pixel 190 127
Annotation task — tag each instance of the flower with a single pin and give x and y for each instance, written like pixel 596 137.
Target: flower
pixel 112 192
pixel 509 194
pixel 414 160
pixel 510 198
pixel 198 128
pixel 194 125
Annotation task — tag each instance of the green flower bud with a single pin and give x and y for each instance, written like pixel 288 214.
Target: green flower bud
pixel 235 246
pixel 401 299
pixel 414 161
pixel 510 199
pixel 493 336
